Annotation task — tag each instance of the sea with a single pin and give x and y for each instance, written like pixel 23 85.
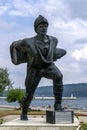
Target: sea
pixel 80 103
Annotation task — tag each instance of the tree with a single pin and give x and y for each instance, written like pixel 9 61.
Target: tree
pixel 15 95
pixel 4 80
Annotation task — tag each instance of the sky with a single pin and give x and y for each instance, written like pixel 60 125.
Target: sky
pixel 67 22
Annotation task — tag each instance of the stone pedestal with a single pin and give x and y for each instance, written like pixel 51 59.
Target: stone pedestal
pixel 37 124
pixel 59 117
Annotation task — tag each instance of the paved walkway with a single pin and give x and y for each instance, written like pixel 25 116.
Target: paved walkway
pixel 82 115
pixel 12 117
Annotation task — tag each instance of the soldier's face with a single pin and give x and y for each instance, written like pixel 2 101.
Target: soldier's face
pixel 42 29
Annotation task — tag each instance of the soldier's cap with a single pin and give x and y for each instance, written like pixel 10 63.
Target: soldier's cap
pixel 40 19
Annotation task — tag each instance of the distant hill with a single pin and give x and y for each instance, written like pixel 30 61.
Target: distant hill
pixel 78 90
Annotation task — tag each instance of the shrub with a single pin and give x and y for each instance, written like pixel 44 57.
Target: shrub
pixel 15 95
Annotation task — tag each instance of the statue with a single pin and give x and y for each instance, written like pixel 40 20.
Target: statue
pixel 39 52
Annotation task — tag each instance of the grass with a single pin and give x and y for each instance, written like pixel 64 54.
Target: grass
pixel 18 112
pixel 84 126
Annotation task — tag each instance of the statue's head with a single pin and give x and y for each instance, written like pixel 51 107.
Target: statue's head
pixel 40 20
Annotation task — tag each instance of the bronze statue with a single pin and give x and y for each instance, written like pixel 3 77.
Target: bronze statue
pixel 39 52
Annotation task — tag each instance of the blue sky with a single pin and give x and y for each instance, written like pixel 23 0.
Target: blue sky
pixel 67 21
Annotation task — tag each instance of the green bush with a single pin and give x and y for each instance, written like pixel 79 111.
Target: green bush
pixel 15 95
pixel 1 121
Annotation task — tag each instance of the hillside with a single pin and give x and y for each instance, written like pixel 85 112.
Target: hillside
pixel 78 90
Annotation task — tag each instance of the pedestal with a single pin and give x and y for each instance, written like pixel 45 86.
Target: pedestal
pixel 59 117
pixel 37 123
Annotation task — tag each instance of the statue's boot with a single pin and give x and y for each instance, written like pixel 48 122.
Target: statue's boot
pixel 24 117
pixel 58 107
pixel 25 105
pixel 24 112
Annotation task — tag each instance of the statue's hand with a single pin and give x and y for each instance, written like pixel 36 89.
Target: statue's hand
pixel 14 44
pixel 59 53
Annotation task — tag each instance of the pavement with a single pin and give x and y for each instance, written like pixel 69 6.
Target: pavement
pixel 81 115
pixel 12 117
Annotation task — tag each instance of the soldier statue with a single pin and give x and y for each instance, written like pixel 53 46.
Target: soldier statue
pixel 39 52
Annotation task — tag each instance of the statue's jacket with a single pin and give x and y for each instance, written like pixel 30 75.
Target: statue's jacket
pixel 26 51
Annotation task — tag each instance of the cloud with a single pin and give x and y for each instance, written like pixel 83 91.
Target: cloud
pixel 55 8
pixel 16 8
pixel 5 25
pixel 3 9
pixel 26 8
pixel 23 7
pixel 33 8
pixel 81 40
pixel 62 8
pixel 75 26
pixel 77 8
pixel 80 54
pixel 67 22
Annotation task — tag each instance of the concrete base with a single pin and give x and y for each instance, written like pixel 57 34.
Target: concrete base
pixel 59 117
pixel 37 124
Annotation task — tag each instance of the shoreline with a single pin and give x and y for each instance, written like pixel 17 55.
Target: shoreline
pixel 34 107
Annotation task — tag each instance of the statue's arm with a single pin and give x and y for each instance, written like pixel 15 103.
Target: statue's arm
pixel 58 53
pixel 20 44
pixel 18 52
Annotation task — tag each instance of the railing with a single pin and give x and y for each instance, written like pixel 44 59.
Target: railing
pixel 48 98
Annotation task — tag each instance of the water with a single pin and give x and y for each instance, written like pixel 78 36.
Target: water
pixel 79 103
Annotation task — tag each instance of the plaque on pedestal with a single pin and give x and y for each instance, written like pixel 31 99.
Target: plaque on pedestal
pixel 59 117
